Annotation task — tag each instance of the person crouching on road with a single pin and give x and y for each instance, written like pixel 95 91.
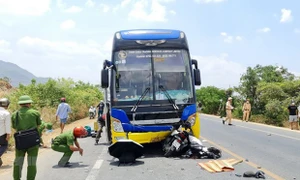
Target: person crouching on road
pixel 65 143
pixel 5 126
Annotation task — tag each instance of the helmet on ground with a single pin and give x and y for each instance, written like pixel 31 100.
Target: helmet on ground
pixel 62 99
pixel 79 131
pixel 25 99
pixel 49 126
pixel 4 102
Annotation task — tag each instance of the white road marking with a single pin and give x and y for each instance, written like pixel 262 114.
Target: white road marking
pixel 98 164
pixel 95 170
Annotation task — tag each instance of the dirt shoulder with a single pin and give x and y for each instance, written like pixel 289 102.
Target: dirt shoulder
pixel 9 156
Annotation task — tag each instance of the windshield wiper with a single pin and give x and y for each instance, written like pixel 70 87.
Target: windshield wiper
pixel 133 109
pixel 169 97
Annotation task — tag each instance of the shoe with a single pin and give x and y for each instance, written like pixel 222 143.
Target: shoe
pixel 223 121
pixel 1 162
pixel 229 124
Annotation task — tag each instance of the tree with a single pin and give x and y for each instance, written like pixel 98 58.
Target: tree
pixel 211 97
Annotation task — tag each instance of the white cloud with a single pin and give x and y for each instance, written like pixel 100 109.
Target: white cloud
pixel 223 34
pixel 90 3
pixel 42 46
pixel 108 45
pixel 264 30
pixel 238 38
pixel 172 12
pixel 62 58
pixel 28 7
pixel 219 71
pixel 5 46
pixel 209 1
pixel 104 8
pixel 229 39
pixel 60 4
pixel 297 31
pixel 124 3
pixel 140 11
pixel 68 24
pixel 73 9
pixel 286 15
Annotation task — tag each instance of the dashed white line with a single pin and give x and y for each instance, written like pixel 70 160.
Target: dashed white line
pixel 95 170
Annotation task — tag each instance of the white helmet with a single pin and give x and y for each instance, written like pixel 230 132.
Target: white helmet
pixel 4 102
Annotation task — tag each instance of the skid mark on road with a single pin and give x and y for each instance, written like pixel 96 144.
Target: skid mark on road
pixel 95 170
pixel 269 173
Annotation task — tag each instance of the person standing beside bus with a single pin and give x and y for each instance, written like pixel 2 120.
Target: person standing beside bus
pixel 5 126
pixel 62 112
pixel 100 107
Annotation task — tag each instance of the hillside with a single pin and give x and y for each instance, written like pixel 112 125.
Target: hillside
pixel 17 74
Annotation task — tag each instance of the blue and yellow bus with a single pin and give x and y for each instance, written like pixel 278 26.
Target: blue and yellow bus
pixel 149 85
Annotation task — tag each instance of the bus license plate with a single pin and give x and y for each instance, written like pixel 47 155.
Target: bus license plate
pixel 176 144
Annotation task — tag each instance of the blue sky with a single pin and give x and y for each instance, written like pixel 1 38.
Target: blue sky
pixel 67 38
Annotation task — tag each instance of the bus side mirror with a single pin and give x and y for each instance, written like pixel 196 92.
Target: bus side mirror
pixel 197 77
pixel 104 78
pixel 195 62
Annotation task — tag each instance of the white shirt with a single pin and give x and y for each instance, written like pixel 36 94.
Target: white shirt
pixel 5 122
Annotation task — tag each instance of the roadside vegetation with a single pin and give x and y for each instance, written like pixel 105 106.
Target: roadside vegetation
pixel 270 90
pixel 79 95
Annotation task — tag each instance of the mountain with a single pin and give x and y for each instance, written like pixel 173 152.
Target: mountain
pixel 17 74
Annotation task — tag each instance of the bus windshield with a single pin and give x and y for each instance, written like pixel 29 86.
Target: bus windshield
pixel 165 71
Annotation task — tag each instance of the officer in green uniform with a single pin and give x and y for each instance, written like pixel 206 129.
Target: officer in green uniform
pixel 65 143
pixel 28 118
pixel 42 127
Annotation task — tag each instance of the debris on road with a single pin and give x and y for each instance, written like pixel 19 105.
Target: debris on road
pixel 220 165
pixel 257 175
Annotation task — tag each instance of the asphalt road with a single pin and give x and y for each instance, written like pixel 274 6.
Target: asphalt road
pixel 273 150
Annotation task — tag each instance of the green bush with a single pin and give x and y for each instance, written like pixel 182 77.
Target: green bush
pixel 79 95
pixel 275 113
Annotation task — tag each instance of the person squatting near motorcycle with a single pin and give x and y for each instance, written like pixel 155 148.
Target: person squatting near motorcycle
pixel 184 144
pixel 65 143
pixel 101 124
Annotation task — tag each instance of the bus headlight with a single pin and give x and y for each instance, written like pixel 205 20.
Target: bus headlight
pixel 117 126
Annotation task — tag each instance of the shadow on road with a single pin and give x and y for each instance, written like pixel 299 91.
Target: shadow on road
pixel 72 165
pixel 6 167
pixel 153 150
pixel 136 163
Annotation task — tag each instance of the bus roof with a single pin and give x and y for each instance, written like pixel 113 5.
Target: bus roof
pixel 150 34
